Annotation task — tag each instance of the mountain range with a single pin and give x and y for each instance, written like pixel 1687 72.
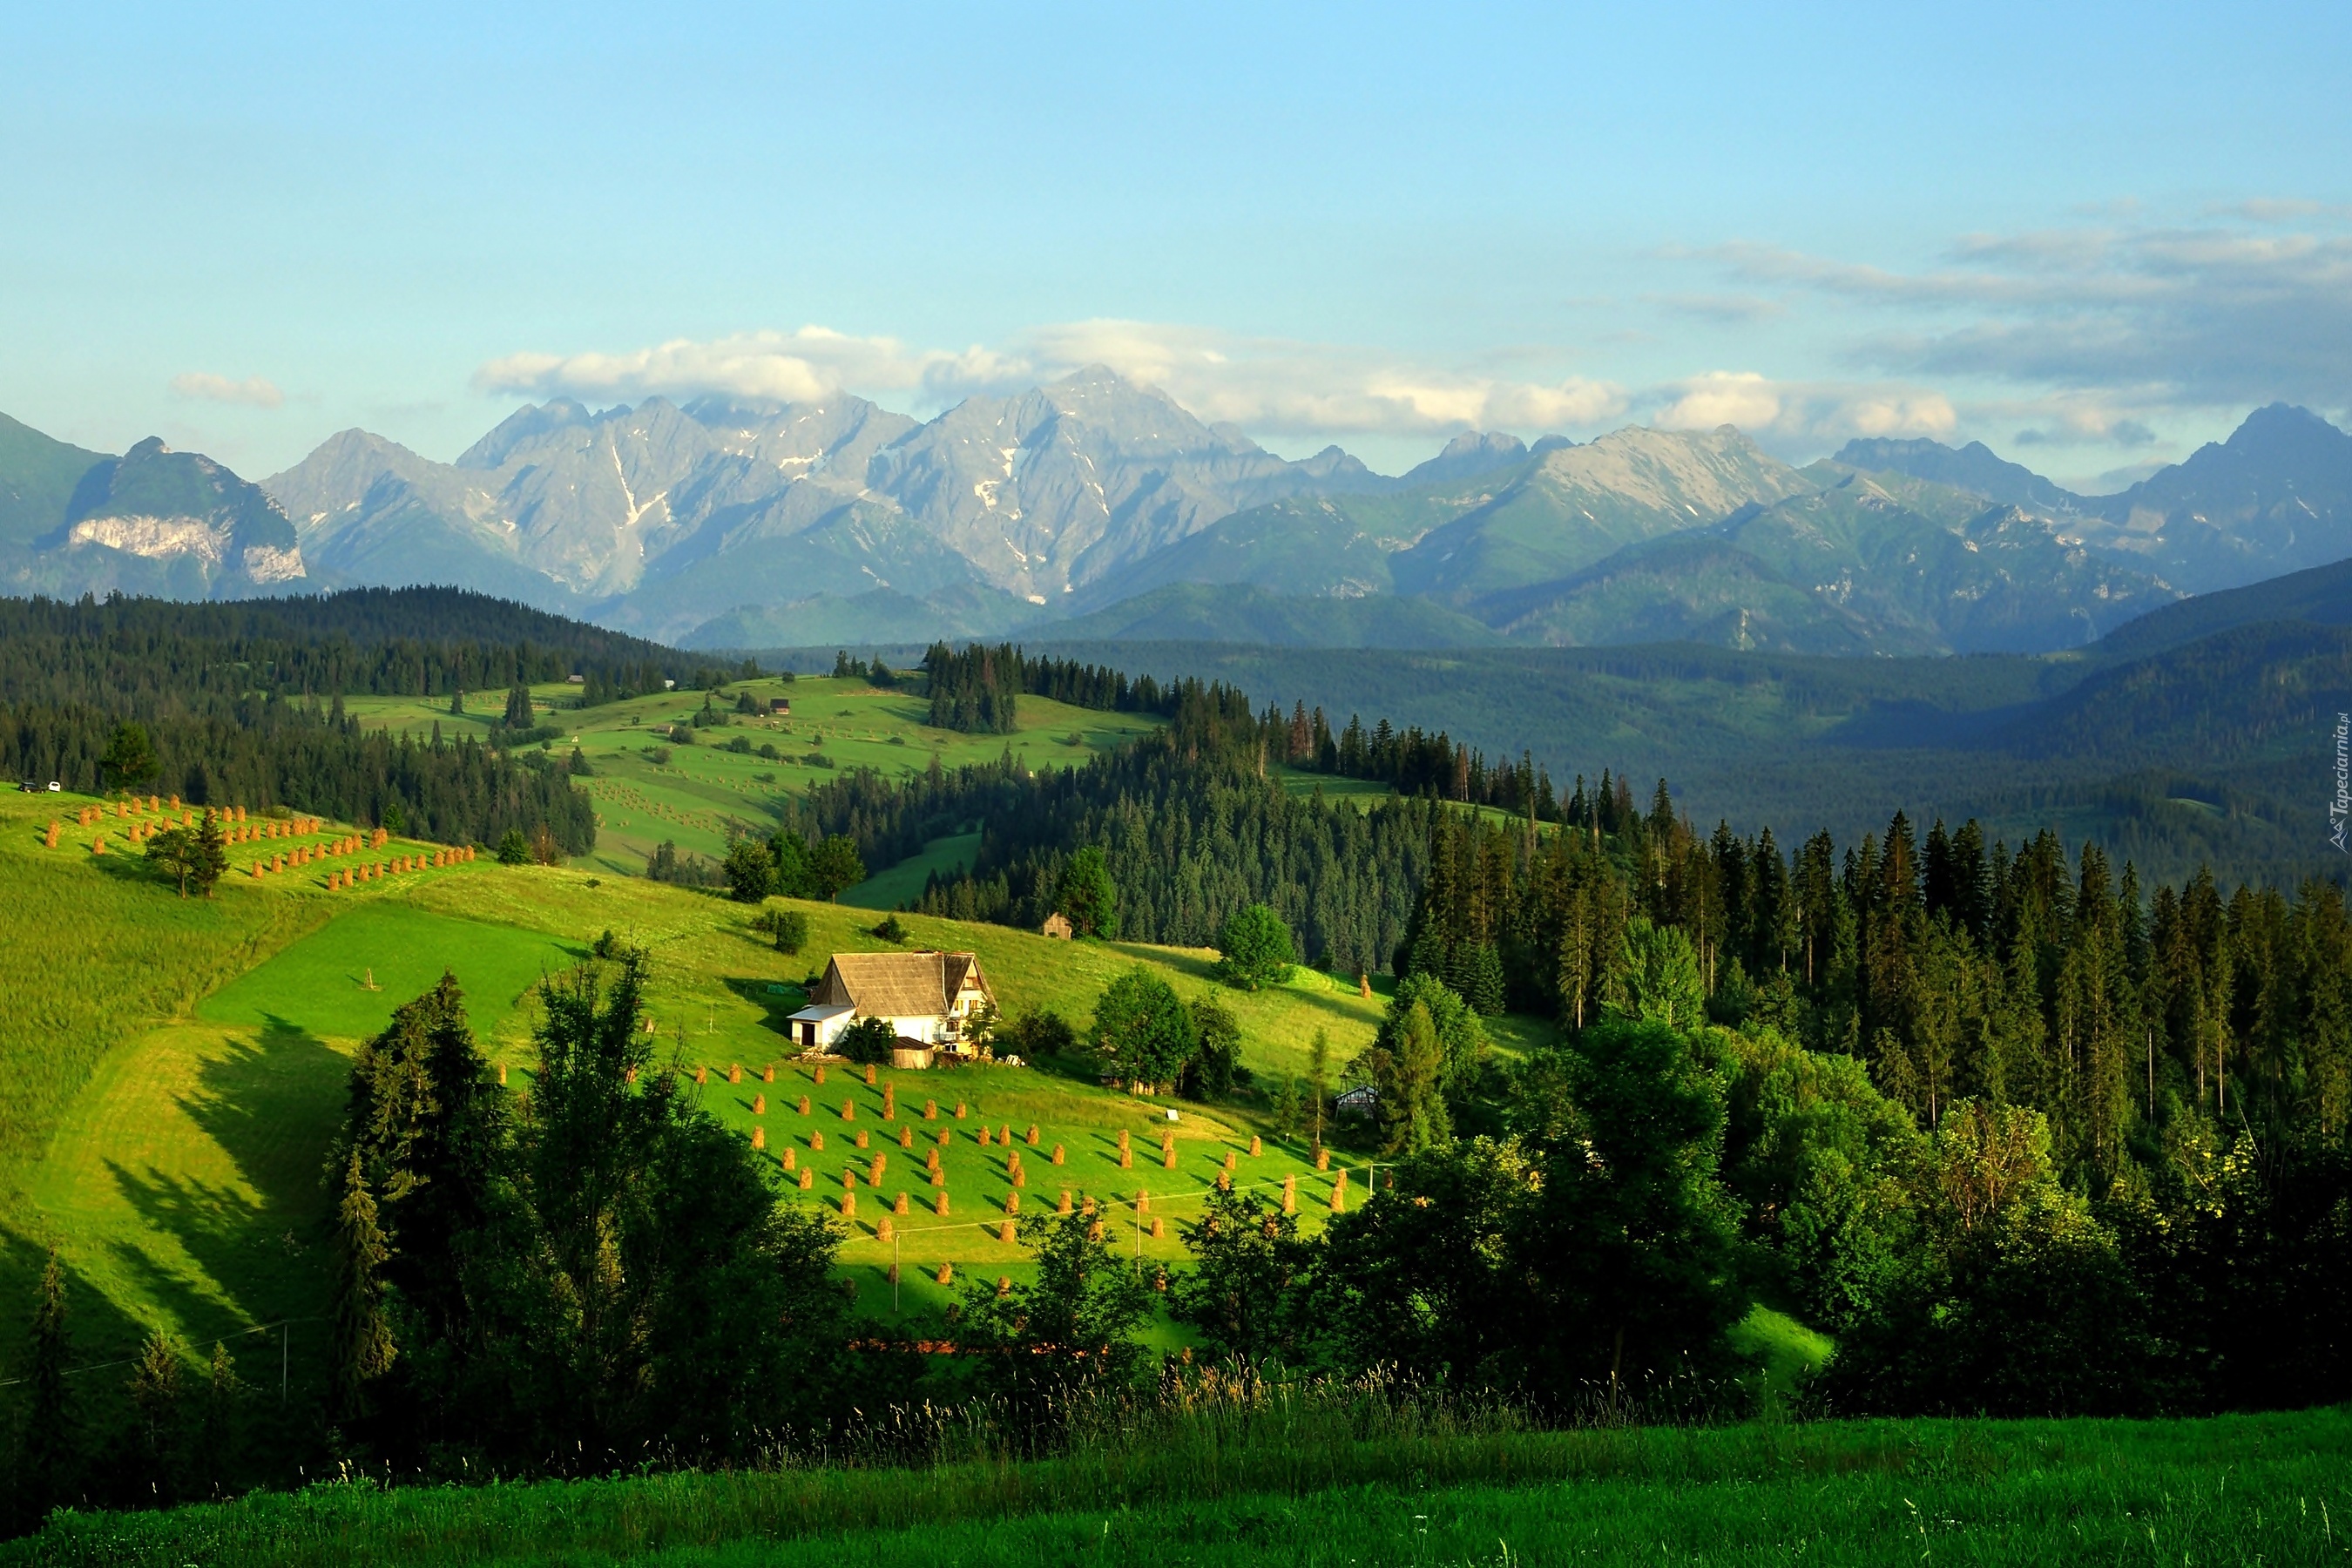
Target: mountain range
pixel 1093 507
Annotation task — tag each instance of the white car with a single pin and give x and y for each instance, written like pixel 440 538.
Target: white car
pixel 55 786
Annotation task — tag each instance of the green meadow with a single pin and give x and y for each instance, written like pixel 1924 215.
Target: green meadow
pixel 343 981
pixel 903 883
pixel 697 791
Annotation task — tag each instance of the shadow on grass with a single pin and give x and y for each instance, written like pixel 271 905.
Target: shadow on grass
pixel 271 1103
pixel 776 999
pixel 100 1330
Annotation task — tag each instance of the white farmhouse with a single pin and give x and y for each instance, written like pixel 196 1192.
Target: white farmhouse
pixel 929 999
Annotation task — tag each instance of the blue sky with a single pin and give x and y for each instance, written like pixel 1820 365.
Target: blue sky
pixel 2091 235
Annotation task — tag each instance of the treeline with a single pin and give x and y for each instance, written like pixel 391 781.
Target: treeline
pixel 978 689
pixel 1955 969
pixel 266 752
pixel 1190 825
pixel 378 642
pixel 242 704
pixel 1952 967
pixel 1410 761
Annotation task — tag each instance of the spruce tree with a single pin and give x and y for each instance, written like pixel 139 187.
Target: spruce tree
pixel 219 1429
pixel 519 708
pixel 363 1348
pixel 209 855
pixel 1486 992
pixel 426 1119
pixel 158 1413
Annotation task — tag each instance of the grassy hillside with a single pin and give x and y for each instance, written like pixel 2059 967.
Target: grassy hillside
pixel 691 794
pixel 171 1149
pixel 1294 1482
pixel 172 1153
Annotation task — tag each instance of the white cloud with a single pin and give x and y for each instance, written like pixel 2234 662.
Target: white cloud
pixel 787 367
pixel 1275 386
pixel 1802 412
pixel 253 391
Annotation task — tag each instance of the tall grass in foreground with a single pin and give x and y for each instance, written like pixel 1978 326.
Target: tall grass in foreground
pixel 1320 1473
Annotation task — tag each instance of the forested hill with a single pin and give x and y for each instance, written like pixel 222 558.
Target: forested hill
pixel 2195 775
pixel 2321 596
pixel 241 702
pixel 421 642
pixel 2034 973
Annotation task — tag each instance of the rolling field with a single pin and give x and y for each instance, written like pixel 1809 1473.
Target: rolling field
pixel 168 1113
pixel 903 883
pixel 166 1141
pixel 692 796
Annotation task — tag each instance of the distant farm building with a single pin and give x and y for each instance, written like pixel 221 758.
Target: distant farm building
pixel 929 998
pixel 781 707
pixel 575 680
pixel 1057 926
pixel 1361 1100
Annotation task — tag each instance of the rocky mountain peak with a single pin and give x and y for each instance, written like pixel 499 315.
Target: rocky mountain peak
pixel 1471 453
pixel 529 423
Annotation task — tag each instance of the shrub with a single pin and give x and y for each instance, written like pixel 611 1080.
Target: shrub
pixel 789 928
pixel 514 850
pixel 1039 1034
pixel 892 928
pixel 868 1040
pixel 750 871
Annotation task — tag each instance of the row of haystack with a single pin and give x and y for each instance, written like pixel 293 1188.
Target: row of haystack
pixel 399 865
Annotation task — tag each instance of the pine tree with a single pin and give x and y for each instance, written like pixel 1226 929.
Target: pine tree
pixel 519 708
pixel 364 1349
